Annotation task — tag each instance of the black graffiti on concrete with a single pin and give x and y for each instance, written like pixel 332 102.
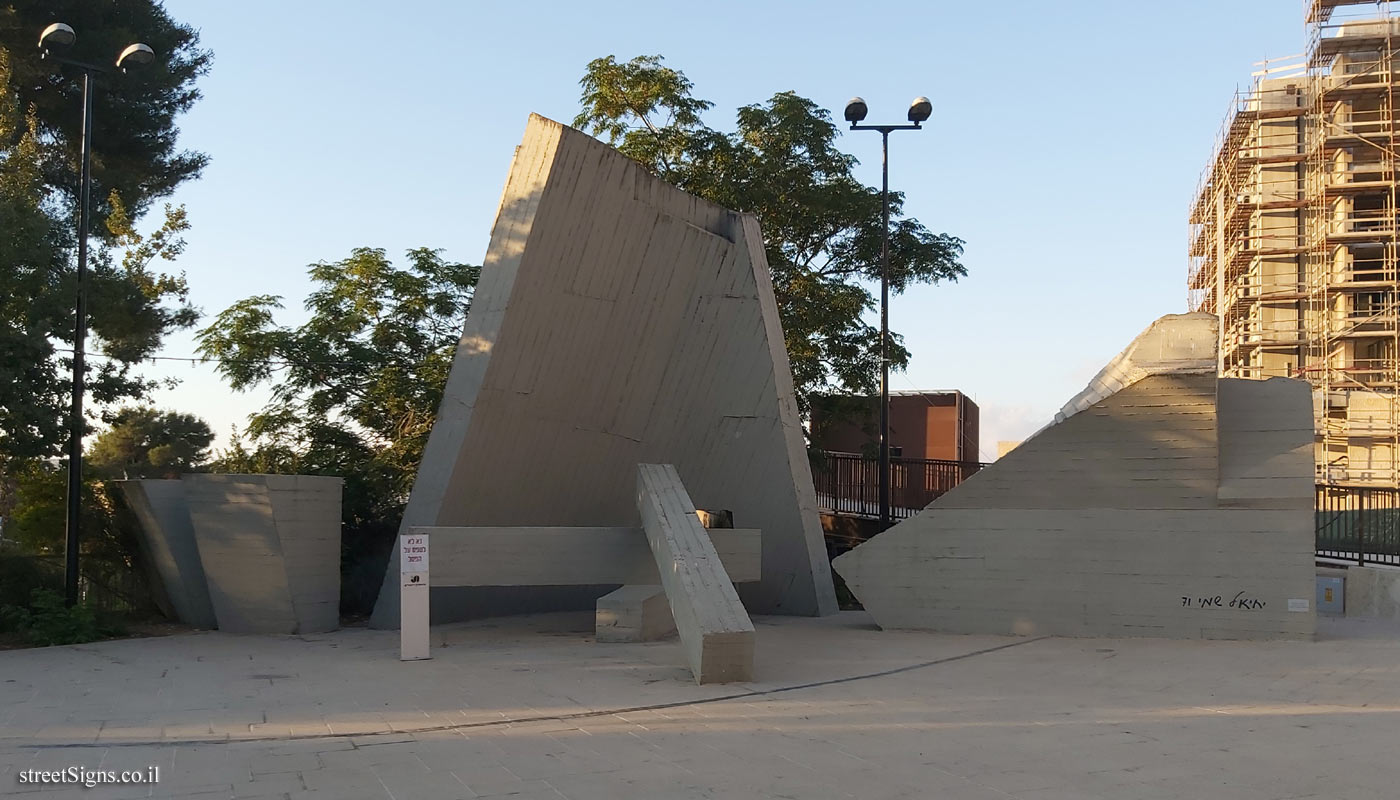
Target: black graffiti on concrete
pixel 1241 600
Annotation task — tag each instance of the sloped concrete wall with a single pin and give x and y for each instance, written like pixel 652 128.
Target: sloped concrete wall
pixel 1090 572
pixel 1174 344
pixel 270 546
pixel 618 321
pixel 1144 513
pixel 168 542
pixel 1153 446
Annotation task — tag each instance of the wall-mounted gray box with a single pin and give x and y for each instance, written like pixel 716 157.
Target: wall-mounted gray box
pixel 1330 594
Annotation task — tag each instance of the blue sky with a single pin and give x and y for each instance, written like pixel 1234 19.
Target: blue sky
pixel 1066 142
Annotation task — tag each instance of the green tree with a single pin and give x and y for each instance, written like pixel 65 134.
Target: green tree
pixel 135 151
pixel 144 442
pixel 822 227
pixel 355 389
pixel 135 162
pixel 36 520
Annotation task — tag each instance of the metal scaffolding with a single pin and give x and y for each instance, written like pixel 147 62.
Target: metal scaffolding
pixel 1294 235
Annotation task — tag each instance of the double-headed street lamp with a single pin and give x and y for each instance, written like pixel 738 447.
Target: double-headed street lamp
pixel 55 37
pixel 919 112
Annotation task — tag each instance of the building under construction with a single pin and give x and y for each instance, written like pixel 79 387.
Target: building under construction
pixel 1294 240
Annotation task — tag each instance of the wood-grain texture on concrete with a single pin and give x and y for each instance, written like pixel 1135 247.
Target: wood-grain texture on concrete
pixel 1266 451
pixel 1174 344
pixel 270 547
pixel 618 321
pixel 1178 506
pixel 570 556
pixel 715 630
pixel 168 544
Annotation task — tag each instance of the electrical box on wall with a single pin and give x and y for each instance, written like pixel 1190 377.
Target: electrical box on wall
pixel 1330 593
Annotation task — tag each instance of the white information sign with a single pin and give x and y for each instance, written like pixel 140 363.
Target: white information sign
pixel 413 597
pixel 413 557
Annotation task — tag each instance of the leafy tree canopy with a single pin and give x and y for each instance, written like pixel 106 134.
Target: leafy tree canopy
pixel 355 389
pixel 367 369
pixel 134 134
pixel 822 227
pixel 135 161
pixel 144 442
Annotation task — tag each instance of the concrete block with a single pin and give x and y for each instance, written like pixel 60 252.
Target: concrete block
pixel 618 321
pixel 270 548
pixel 1373 592
pixel 1266 443
pixel 168 543
pixel 634 614
pixel 714 628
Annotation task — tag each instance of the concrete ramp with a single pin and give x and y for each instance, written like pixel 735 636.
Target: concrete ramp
pixel 1162 502
pixel 1174 344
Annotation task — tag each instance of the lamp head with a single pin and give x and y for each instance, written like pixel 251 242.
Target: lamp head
pixel 135 55
pixel 855 110
pixel 57 35
pixel 920 110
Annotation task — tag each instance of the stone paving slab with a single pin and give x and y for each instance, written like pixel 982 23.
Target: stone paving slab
pixel 530 707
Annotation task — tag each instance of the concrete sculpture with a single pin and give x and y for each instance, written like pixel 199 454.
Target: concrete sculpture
pixel 618 321
pixel 1161 502
pixel 676 575
pixel 168 544
pixel 270 547
pixel 715 630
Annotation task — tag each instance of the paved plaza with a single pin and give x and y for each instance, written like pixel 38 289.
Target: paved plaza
pixel 531 708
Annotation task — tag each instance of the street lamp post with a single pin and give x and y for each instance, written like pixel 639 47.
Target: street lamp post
pixel 919 112
pixel 59 35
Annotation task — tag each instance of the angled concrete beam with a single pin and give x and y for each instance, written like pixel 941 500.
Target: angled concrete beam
pixel 715 630
pixel 570 556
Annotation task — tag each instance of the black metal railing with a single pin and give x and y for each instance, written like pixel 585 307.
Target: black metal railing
pixel 850 484
pixel 1359 524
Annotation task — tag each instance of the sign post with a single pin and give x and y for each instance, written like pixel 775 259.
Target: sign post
pixel 413 597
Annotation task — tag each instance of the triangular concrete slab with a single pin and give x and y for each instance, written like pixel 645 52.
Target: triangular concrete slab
pixel 619 321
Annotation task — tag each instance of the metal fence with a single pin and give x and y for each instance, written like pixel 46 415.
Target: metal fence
pixel 105 586
pixel 850 484
pixel 1359 524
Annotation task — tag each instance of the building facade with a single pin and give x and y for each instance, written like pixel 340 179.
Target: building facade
pixel 1294 241
pixel 923 425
